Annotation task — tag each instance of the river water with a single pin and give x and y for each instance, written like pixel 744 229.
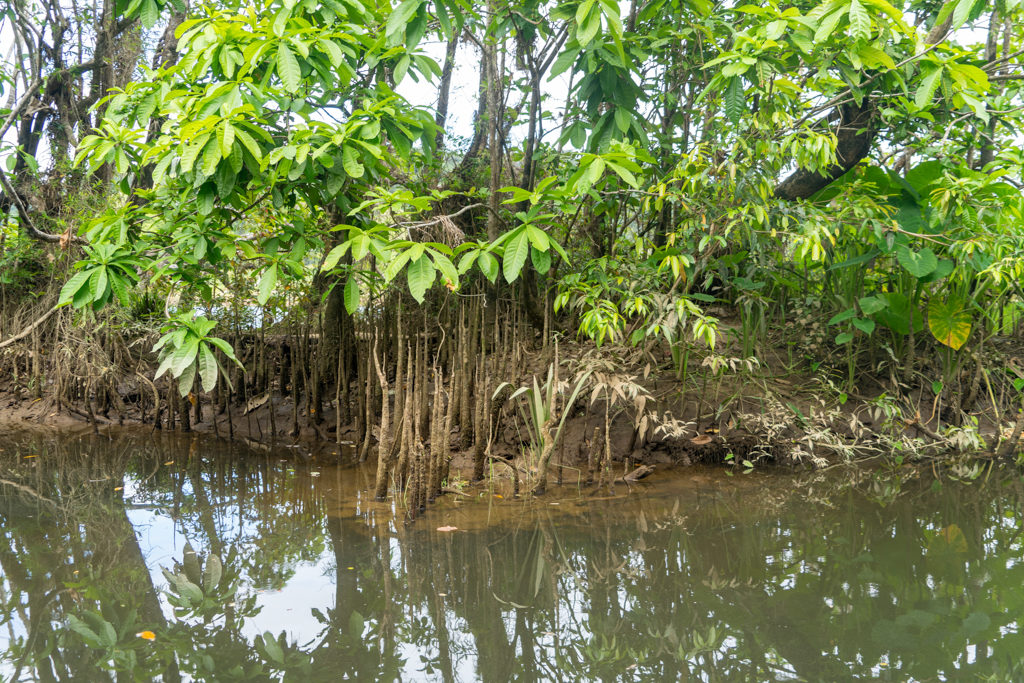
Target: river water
pixel 143 557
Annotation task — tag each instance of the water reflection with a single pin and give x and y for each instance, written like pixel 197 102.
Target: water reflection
pixel 156 558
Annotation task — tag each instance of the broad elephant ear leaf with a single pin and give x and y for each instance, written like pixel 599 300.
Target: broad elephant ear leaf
pixel 920 264
pixel 949 322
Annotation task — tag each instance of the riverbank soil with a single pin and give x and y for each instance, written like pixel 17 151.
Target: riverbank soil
pixel 634 410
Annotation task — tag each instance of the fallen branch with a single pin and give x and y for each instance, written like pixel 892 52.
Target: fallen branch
pixel 637 474
pixel 28 330
pixel 919 426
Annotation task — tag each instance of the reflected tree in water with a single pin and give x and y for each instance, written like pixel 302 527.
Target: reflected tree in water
pixel 765 582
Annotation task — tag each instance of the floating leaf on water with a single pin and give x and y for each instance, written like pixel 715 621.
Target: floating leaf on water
pixel 447 528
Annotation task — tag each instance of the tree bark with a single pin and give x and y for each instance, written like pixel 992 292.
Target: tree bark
pixel 444 91
pixel 494 116
pixel 854 135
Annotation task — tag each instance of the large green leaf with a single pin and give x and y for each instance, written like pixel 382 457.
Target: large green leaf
pixel 266 285
pixel 400 17
pixel 918 263
pixel 183 356
pixel 207 367
pixel 352 295
pixel 929 84
pixel 860 22
pixel 420 274
pixel 516 250
pixel 949 322
pixel 77 282
pixel 735 102
pixel 288 68
pixel 350 161
pixel 187 379
pixel 898 313
pixel 488 265
pixel 541 260
pixel 870 305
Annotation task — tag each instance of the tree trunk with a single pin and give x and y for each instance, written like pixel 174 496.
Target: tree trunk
pixel 444 90
pixel 854 135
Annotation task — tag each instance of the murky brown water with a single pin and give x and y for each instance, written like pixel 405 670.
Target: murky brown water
pixel 692 575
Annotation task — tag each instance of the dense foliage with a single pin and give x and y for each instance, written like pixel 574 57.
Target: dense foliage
pixel 848 168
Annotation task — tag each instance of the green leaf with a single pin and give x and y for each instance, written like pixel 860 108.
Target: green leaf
pixel 401 68
pixel 828 25
pixel 919 264
pixel 183 356
pixel 207 368
pixel 898 313
pixel 587 29
pixel 334 255
pixel 869 305
pixel 623 119
pixel 150 13
pixel 352 295
pixel 874 57
pixel 944 268
pixel 864 325
pixel 225 348
pixel 624 173
pixel 250 144
pixel 929 84
pixel 187 379
pixel 488 265
pixel 564 61
pixel 842 317
pixel 189 590
pixel 541 260
pixel 735 101
pixel 267 283
pixel 949 322
pixel 88 635
pixel 400 17
pixel 516 250
pixel 844 338
pixel 77 281
pixel 538 238
pixel 191 153
pixel 420 275
pixel 331 49
pixel 962 11
pixel 446 268
pixel 860 22
pixel 273 648
pixel 288 68
pixel 98 283
pixel 119 287
pixel 350 161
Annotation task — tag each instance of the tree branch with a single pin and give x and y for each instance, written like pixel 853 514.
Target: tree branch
pixel 28 330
